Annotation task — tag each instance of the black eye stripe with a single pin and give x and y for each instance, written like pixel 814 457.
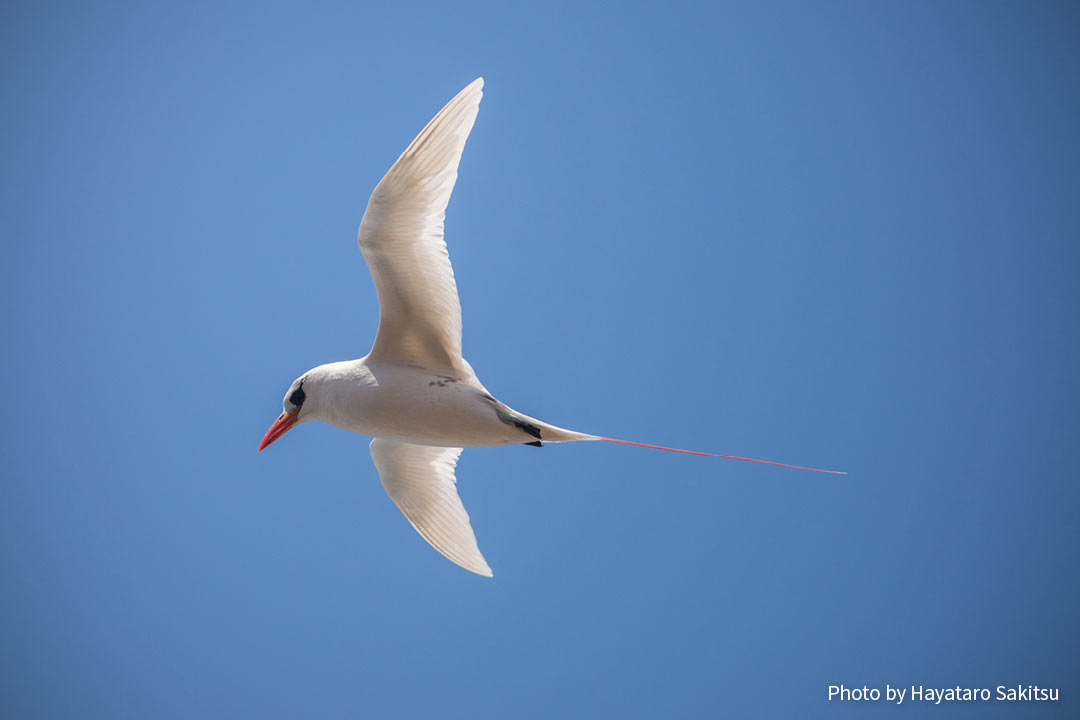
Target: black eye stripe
pixel 297 397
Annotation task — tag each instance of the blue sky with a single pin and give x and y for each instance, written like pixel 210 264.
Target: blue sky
pixel 833 234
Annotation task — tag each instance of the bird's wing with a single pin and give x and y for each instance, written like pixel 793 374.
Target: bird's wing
pixel 401 236
pixel 420 481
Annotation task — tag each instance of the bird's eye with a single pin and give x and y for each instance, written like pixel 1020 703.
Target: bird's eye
pixel 297 397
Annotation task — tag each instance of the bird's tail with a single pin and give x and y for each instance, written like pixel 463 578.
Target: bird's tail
pixel 728 457
pixel 546 432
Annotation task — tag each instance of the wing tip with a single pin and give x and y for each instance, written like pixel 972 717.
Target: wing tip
pixel 476 87
pixel 474 561
pixel 480 568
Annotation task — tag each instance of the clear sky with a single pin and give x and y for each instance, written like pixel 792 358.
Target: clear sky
pixel 837 234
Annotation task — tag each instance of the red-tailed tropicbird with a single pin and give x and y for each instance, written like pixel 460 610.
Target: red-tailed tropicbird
pixel 414 393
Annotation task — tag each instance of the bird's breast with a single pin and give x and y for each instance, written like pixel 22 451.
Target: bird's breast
pixel 415 406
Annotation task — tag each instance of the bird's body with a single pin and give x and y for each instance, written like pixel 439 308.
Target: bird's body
pixel 411 404
pixel 414 393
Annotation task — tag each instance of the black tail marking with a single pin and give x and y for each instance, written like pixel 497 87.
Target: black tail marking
pixel 527 427
pixel 510 417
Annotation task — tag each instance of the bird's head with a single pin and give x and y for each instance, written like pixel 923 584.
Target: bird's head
pixel 294 410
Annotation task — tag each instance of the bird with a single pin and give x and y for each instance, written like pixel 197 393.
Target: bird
pixel 414 393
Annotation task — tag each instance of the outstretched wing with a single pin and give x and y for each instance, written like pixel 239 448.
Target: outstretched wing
pixel 420 480
pixel 401 236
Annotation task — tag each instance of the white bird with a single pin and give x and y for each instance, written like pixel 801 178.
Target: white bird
pixel 414 393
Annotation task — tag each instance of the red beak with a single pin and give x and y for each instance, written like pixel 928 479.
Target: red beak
pixel 279 428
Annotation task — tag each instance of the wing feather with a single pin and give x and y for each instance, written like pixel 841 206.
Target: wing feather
pixel 420 480
pixel 401 236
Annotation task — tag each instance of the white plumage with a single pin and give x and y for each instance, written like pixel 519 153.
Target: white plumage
pixel 420 480
pixel 401 236
pixel 414 392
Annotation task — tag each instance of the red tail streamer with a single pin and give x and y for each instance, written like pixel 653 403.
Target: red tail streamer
pixel 729 457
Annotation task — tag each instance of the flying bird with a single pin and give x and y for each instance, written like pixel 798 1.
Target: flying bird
pixel 414 393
